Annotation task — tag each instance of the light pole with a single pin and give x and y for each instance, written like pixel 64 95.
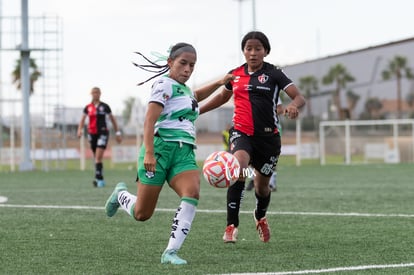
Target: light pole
pixel 1 84
pixel 241 21
pixel 254 15
pixel 25 164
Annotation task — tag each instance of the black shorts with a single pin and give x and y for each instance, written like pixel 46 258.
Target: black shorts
pixel 264 151
pixel 98 141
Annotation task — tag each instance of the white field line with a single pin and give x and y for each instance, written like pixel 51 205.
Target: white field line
pixel 298 272
pixel 292 213
pixel 330 270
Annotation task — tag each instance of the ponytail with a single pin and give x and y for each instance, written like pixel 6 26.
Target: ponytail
pixel 154 67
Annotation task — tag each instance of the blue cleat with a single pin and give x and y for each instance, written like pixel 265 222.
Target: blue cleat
pixel 100 183
pixel 112 204
pixel 170 257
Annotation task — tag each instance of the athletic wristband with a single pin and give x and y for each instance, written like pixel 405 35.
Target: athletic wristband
pixel 118 133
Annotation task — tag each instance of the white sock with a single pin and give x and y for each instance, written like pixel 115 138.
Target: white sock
pixel 127 202
pixel 181 224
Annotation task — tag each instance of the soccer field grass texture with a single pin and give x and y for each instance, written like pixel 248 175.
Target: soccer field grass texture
pixel 335 218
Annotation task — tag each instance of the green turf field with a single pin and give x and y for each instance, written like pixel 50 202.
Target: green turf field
pixel 338 219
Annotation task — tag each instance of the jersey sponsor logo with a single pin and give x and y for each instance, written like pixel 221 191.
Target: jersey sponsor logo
pixel 263 88
pixel 263 78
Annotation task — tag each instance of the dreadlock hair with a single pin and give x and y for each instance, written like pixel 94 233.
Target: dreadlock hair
pixel 158 69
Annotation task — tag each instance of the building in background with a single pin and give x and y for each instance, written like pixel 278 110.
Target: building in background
pixel 366 66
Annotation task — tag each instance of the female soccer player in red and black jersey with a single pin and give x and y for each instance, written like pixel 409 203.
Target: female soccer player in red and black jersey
pixel 98 133
pixel 255 139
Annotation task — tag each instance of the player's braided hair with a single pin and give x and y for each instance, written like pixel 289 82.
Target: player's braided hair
pixel 154 67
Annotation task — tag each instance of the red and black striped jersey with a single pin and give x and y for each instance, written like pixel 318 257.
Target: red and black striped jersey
pixel 255 98
pixel 97 117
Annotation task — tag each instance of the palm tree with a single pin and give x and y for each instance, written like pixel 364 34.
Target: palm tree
pixel 410 100
pixel 398 68
pixel 34 74
pixel 338 75
pixel 308 84
pixel 352 100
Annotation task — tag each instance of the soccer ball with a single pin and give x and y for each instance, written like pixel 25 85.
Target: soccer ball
pixel 221 169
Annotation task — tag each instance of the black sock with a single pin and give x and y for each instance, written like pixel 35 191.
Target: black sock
pixel 98 170
pixel 261 206
pixel 234 197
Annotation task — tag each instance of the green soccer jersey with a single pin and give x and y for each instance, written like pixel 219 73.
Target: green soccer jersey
pixel 176 122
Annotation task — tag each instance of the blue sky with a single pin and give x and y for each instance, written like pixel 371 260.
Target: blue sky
pixel 100 36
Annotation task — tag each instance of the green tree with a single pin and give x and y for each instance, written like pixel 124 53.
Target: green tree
pixel 308 84
pixel 128 105
pixel 339 76
pixel 398 68
pixel 352 100
pixel 410 100
pixel 373 105
pixel 33 71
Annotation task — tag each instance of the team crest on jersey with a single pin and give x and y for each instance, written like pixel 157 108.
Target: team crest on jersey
pixel 263 78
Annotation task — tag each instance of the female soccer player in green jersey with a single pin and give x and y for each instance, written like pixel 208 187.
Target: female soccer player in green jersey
pixel 167 153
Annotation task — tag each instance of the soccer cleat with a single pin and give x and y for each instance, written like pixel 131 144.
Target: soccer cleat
pixel 170 257
pixel 230 235
pixel 112 204
pixel 263 228
pixel 95 183
pixel 273 182
pixel 100 183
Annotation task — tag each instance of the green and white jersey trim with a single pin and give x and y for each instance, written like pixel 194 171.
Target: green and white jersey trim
pixel 176 122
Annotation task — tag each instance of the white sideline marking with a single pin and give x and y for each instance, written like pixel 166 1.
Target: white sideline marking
pixel 52 206
pixel 329 270
pixel 313 271
pixel 216 211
